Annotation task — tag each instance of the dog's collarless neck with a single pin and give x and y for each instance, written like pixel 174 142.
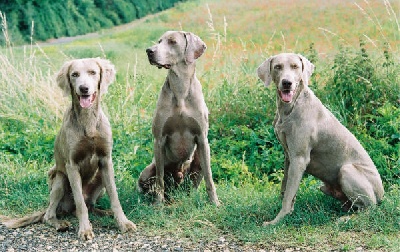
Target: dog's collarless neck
pixel 180 86
pixel 87 120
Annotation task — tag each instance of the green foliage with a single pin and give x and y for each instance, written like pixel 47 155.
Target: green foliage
pixel 43 20
pixel 382 139
pixel 245 152
pixel 364 94
pixel 359 86
pixel 25 141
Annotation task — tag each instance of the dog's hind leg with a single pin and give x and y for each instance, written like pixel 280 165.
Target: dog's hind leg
pixel 92 192
pixel 195 173
pixel 147 179
pixel 57 191
pixel 361 188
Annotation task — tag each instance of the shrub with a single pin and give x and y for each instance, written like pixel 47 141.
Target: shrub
pixel 359 87
pixel 364 94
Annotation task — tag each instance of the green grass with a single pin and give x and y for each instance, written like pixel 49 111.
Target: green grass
pixel 246 158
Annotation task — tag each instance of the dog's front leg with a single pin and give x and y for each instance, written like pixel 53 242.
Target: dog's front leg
pixel 295 172
pixel 285 174
pixel 85 228
pixel 107 175
pixel 159 156
pixel 204 156
pixel 282 139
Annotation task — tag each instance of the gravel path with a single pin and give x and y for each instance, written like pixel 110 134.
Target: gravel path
pixel 40 237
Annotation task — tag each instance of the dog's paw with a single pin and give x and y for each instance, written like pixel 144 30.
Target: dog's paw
pixel 270 223
pixel 217 203
pixel 86 235
pixel 101 212
pixel 127 226
pixel 267 223
pixel 159 200
pixel 62 226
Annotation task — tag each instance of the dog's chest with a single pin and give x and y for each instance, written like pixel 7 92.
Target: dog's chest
pixel 280 134
pixel 180 134
pixel 181 124
pixel 87 149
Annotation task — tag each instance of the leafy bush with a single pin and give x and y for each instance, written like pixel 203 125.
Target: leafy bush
pixel 382 140
pixel 25 141
pixel 364 94
pixel 244 152
pixel 359 86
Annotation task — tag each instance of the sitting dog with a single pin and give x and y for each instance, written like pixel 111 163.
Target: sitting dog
pixel 180 123
pixel 82 151
pixel 314 141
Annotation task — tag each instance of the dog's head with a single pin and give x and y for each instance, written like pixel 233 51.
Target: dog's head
pixel 176 47
pixel 287 71
pixel 86 79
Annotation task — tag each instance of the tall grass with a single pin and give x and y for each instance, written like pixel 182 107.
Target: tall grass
pixel 358 82
pixel 27 83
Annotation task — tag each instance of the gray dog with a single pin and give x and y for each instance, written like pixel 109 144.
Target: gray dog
pixel 180 123
pixel 315 141
pixel 82 152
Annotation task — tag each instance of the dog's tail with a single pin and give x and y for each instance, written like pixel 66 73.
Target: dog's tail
pixel 24 221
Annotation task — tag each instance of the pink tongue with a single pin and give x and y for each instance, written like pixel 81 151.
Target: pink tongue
pixel 85 101
pixel 287 96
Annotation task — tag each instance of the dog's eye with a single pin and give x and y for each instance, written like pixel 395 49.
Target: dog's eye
pixel 294 66
pixel 92 72
pixel 75 74
pixel 171 41
pixel 277 67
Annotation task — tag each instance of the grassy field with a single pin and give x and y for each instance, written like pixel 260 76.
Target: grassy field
pixel 355 47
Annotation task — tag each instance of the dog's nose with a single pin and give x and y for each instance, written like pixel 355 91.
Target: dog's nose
pixel 83 89
pixel 149 51
pixel 286 84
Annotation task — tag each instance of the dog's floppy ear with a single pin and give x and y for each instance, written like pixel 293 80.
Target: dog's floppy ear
pixel 107 74
pixel 195 47
pixel 264 71
pixel 63 78
pixel 307 69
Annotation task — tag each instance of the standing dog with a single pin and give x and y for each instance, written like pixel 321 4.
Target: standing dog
pixel 180 123
pixel 82 151
pixel 314 141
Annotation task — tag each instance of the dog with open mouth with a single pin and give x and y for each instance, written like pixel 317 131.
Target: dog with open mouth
pixel 82 152
pixel 315 142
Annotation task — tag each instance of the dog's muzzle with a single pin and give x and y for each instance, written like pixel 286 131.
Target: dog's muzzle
pixel 151 56
pixel 287 92
pixel 85 99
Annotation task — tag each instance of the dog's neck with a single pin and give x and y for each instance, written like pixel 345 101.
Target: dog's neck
pixel 180 77
pixel 87 119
